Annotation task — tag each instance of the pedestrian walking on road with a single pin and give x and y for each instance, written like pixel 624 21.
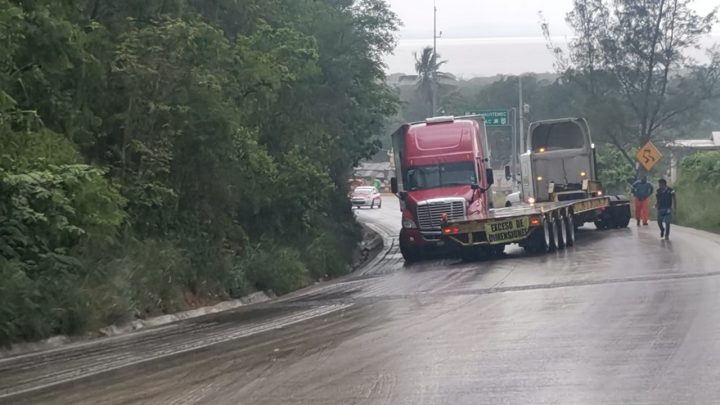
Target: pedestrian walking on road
pixel 642 190
pixel 666 203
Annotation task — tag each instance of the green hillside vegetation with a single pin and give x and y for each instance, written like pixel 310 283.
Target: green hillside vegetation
pixel 697 191
pixel 160 154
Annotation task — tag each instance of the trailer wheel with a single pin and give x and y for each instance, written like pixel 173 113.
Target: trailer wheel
pixel 544 242
pixel 555 233
pixel 473 253
pixel 562 233
pixel 498 250
pixel 570 226
pixel 541 239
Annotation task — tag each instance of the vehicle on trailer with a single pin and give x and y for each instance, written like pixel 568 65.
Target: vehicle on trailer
pixel 513 198
pixel 559 193
pixel 366 196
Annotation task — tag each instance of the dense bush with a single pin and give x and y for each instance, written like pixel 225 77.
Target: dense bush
pixel 49 208
pixel 615 173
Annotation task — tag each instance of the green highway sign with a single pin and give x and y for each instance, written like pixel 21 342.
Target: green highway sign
pixel 496 118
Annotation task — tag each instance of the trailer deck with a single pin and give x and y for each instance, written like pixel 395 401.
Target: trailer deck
pixel 513 224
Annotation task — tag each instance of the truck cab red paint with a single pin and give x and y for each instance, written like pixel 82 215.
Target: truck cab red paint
pixel 441 172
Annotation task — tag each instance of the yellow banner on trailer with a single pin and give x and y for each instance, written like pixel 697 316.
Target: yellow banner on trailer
pixel 506 231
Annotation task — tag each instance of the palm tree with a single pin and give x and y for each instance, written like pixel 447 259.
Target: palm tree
pixel 429 79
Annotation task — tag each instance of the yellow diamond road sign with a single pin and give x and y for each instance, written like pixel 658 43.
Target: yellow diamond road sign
pixel 648 156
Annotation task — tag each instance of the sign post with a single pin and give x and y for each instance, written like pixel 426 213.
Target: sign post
pixel 496 118
pixel 648 156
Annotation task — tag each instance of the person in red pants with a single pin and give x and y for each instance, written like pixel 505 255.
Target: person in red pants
pixel 642 190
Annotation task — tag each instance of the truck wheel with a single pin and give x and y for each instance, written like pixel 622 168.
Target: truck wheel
pixel 410 255
pixel 570 226
pixel 623 218
pixel 602 225
pixel 623 223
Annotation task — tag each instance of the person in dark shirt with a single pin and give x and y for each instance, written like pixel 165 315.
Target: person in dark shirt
pixel 642 190
pixel 666 202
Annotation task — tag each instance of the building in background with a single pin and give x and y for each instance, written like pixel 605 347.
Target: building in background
pixel 683 147
pixel 374 174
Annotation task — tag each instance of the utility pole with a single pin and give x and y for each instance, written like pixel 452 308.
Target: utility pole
pixel 521 121
pixel 513 161
pixel 434 28
pixel 433 83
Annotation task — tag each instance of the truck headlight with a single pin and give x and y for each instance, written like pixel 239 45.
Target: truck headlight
pixel 409 224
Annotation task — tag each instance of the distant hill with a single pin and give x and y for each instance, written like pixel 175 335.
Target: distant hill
pixel 475 82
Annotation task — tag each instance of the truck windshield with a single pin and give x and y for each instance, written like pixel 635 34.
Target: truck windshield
pixel 441 175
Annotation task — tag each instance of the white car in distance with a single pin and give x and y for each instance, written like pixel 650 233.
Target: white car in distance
pixel 366 197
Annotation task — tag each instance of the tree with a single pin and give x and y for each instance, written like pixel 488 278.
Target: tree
pixel 157 153
pixel 629 57
pixel 430 81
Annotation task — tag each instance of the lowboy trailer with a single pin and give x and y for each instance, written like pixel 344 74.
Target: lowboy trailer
pixel 559 192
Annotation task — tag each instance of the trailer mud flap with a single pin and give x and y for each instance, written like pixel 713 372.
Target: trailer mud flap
pixel 508 230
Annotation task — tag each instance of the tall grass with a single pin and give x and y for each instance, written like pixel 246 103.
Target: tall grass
pixel 698 189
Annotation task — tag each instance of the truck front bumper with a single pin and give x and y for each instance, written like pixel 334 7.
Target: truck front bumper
pixel 415 238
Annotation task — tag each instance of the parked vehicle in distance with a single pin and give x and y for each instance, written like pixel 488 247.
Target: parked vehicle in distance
pixel 366 197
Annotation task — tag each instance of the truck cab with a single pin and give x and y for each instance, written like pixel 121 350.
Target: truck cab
pixel 442 173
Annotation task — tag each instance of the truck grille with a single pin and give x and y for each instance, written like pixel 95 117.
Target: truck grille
pixel 430 211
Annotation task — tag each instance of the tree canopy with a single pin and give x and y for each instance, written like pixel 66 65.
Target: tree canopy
pixel 155 154
pixel 630 59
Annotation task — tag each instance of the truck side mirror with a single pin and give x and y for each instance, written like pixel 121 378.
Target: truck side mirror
pixel 508 174
pixel 490 176
pixel 394 185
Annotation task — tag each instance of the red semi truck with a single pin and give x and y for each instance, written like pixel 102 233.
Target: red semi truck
pixel 443 173
pixel 443 180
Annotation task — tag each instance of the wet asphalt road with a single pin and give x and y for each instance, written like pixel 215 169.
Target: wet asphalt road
pixel 620 318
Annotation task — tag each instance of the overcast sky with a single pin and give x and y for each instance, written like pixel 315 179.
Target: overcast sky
pixel 489 18
pixel 488 37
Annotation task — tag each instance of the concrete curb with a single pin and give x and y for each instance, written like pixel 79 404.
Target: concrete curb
pixel 371 245
pixel 254 298
pixel 136 325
